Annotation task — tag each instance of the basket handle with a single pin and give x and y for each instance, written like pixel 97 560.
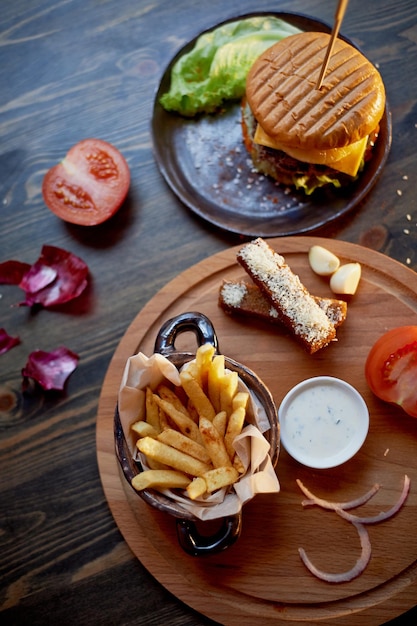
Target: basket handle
pixel 196 544
pixel 195 322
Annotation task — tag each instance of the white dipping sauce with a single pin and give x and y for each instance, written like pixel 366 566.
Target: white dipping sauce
pixel 324 421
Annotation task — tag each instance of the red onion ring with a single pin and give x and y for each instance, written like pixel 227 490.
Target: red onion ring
pixel 380 517
pixel 359 522
pixel 355 571
pixel 335 506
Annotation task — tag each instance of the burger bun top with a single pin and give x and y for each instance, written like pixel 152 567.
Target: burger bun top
pixel 281 92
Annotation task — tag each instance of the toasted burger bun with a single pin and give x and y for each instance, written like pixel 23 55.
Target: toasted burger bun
pixel 330 127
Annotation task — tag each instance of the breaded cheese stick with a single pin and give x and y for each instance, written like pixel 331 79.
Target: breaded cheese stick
pixel 295 306
pixel 243 298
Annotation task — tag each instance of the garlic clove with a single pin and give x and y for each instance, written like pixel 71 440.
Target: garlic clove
pixel 322 261
pixel 346 279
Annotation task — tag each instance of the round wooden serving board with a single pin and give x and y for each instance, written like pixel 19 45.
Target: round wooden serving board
pixel 261 579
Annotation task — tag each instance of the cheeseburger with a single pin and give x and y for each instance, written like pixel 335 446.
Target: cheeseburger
pixel 308 137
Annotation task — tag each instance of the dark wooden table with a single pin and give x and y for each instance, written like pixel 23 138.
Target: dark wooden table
pixel 72 69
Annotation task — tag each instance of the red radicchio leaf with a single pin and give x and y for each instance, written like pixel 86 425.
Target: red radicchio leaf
pixel 12 272
pixel 51 369
pixel 69 281
pixel 7 342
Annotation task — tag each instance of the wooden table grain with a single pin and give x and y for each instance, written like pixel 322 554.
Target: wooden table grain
pixel 72 69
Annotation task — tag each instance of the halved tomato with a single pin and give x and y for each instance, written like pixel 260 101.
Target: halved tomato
pixel 89 185
pixel 391 368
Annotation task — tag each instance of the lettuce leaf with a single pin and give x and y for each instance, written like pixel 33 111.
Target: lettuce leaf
pixel 215 69
pixel 310 183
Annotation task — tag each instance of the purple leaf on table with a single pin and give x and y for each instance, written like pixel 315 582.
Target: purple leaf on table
pixel 7 342
pixel 51 369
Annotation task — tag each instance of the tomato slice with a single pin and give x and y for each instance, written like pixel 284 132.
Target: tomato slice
pixel 89 185
pixel 391 368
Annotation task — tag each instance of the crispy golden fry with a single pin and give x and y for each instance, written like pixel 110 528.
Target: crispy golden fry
pixel 211 481
pixel 240 399
pixel 160 479
pixel 192 411
pixel 163 419
pixel 193 370
pixel 228 389
pixel 215 375
pixel 152 411
pixel 214 444
pixel 144 429
pixel 185 444
pixel 184 423
pixel 155 465
pixel 220 421
pixel 220 477
pixel 176 459
pixel 170 395
pixel 204 356
pixel 181 394
pixel 234 428
pixel 197 488
pixel 197 396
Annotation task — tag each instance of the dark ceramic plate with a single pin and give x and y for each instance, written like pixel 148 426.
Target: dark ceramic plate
pixel 204 162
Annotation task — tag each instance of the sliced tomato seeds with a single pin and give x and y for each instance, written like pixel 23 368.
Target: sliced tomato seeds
pixel 399 362
pixel 89 185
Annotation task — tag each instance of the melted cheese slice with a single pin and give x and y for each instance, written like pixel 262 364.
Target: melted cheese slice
pixel 346 159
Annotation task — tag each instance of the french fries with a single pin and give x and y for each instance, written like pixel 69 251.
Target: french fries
pixel 215 376
pixel 144 429
pixel 169 395
pixel 228 390
pixel 220 477
pixel 214 444
pixel 152 410
pixel 181 442
pixel 220 422
pixel 201 402
pixel 160 479
pixel 196 488
pixel 211 481
pixel 203 360
pixel 184 423
pixel 234 428
pixel 187 433
pixel 158 451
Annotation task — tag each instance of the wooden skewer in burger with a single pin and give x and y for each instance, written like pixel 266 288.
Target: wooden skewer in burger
pixel 338 18
pixel 307 137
